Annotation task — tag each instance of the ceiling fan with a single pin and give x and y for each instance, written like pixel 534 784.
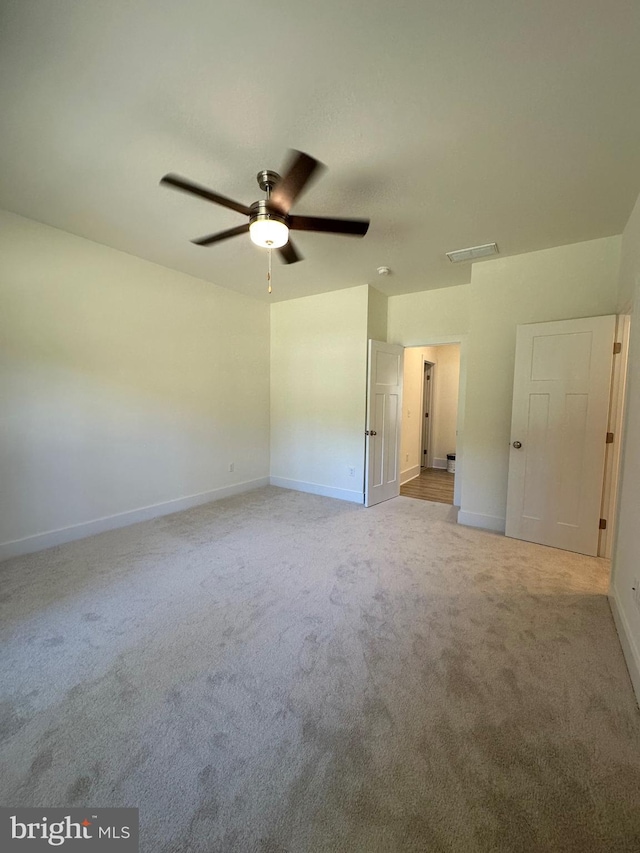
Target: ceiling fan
pixel 270 219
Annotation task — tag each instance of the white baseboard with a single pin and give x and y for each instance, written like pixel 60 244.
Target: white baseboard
pixel 40 541
pixel 629 647
pixel 409 474
pixel 316 489
pixel 477 519
pixel 439 463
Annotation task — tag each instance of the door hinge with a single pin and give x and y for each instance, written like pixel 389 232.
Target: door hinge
pixel 425 452
pixel 426 414
pixel 603 524
pixel 609 438
pixel 617 348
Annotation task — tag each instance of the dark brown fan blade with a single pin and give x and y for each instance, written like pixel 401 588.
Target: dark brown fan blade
pixel 352 227
pixel 186 186
pixel 289 254
pixel 297 176
pixel 221 235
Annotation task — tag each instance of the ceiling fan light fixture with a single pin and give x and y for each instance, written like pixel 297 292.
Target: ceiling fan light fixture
pixel 268 232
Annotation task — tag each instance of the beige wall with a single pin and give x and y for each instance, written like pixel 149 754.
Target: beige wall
pixel 377 315
pixel 447 376
pixel 318 392
pixel 444 410
pixel 124 385
pixel 626 555
pixel 429 317
pixel 630 262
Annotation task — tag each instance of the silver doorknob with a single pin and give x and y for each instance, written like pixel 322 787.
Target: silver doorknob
pixel 517 445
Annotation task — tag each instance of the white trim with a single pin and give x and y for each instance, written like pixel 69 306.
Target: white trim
pixel 40 541
pixel 409 474
pixel 629 648
pixel 477 519
pixel 440 463
pixel 316 489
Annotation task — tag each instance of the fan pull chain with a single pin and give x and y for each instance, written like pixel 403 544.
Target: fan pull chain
pixel 269 271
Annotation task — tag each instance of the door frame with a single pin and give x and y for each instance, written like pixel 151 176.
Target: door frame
pixel 610 486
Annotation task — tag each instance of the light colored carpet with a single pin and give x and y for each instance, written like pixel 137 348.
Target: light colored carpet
pixel 285 672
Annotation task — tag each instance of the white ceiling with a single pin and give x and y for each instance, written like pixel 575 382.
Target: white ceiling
pixel 448 123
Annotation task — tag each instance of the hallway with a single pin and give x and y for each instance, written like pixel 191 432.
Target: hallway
pixel 432 484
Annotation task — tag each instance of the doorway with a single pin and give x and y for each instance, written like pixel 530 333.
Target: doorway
pixel 431 422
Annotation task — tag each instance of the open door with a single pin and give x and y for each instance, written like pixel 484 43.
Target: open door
pixel 384 418
pixel 559 432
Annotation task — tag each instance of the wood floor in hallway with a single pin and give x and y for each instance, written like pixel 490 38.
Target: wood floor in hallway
pixel 432 484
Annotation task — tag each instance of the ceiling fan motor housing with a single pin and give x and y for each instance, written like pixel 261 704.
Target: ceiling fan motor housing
pixel 261 210
pixel 267 180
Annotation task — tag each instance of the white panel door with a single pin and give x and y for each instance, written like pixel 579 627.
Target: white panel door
pixel 384 417
pixel 558 432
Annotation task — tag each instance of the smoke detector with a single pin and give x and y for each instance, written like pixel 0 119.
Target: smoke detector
pixel 473 253
pixel 384 271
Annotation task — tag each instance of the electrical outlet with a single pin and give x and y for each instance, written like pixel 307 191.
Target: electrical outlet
pixel 352 472
pixel 406 458
pixel 232 467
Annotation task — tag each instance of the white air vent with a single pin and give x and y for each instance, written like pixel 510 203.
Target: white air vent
pixel 473 253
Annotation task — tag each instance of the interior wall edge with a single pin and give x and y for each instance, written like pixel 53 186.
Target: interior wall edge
pixel 629 648
pixel 485 522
